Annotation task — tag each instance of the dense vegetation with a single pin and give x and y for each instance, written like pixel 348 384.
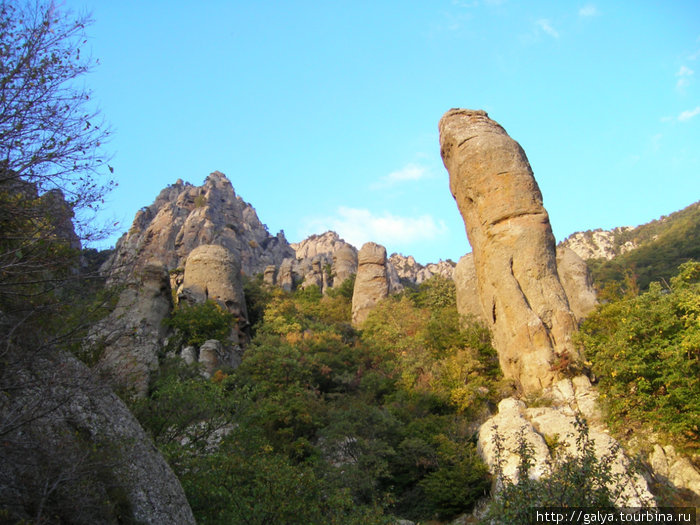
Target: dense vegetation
pixel 325 424
pixel 663 245
pixel 645 350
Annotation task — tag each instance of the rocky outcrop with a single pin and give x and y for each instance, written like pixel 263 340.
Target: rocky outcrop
pixel 599 244
pixel 410 271
pixel 212 272
pixel 133 335
pixel 556 424
pixel 519 290
pixel 344 264
pixel 73 442
pixel 466 288
pixel 371 283
pixel 323 260
pixel 577 282
pixel 184 216
pixel 573 274
pixel 675 469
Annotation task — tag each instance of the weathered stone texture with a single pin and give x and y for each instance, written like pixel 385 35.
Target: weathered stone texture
pixel 184 216
pixel 371 283
pixel 519 289
pixel 212 272
pixel 134 333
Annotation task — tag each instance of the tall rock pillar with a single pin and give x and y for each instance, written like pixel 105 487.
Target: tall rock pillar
pixel 371 283
pixel 521 296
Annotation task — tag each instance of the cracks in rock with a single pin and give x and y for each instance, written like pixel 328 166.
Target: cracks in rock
pixel 465 140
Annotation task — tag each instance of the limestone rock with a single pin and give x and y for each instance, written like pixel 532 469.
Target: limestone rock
pixel 344 264
pixel 134 333
pixel 411 271
pixel 514 254
pixel 577 282
pixel 189 355
pixel 285 275
pixel 103 449
pixel 371 283
pixel 183 217
pixel 323 260
pixel 213 272
pixel 599 244
pixel 466 288
pixel 269 275
pixel 675 468
pixel 557 423
pixel 211 356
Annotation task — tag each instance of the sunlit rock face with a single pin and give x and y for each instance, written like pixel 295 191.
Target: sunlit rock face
pixel 371 283
pixel 521 296
pixel 184 216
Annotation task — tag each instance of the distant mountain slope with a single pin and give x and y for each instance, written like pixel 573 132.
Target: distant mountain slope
pixel 651 252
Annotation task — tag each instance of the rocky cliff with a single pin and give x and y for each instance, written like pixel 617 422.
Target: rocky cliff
pixel 184 216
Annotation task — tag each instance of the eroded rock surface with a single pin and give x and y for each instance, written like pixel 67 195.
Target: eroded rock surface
pixel 184 216
pixel 576 279
pixel 79 439
pixel 514 251
pixel 371 283
pixel 212 272
pixel 557 424
pixel 133 334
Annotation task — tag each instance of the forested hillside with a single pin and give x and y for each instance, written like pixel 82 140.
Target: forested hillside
pixel 662 246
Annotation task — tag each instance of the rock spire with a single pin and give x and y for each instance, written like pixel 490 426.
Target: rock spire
pixel 520 294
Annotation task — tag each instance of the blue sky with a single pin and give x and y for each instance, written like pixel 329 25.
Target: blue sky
pixel 324 114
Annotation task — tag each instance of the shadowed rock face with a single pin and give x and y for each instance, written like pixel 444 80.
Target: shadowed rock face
pixel 371 283
pixel 521 296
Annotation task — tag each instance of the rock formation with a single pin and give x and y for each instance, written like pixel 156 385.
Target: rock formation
pixel 466 288
pixel 577 282
pixel 599 244
pixel 344 264
pixel 371 283
pixel 133 334
pixel 508 228
pixel 573 274
pixel 212 272
pixel 556 422
pixel 323 260
pixel 185 216
pixel 80 440
pixel 408 270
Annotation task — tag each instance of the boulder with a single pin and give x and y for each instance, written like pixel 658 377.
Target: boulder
pixel 269 275
pixel 556 424
pixel 514 251
pixel 211 356
pixel 134 334
pixel 344 264
pixel 73 442
pixel 213 273
pixel 371 283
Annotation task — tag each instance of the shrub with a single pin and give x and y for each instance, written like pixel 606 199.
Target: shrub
pixel 200 322
pixel 646 352
pixel 573 479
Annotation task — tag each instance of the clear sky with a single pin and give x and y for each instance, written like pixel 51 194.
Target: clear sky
pixel 324 114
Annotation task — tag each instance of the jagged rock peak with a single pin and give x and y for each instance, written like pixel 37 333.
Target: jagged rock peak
pixel 520 293
pixel 409 270
pixel 184 216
